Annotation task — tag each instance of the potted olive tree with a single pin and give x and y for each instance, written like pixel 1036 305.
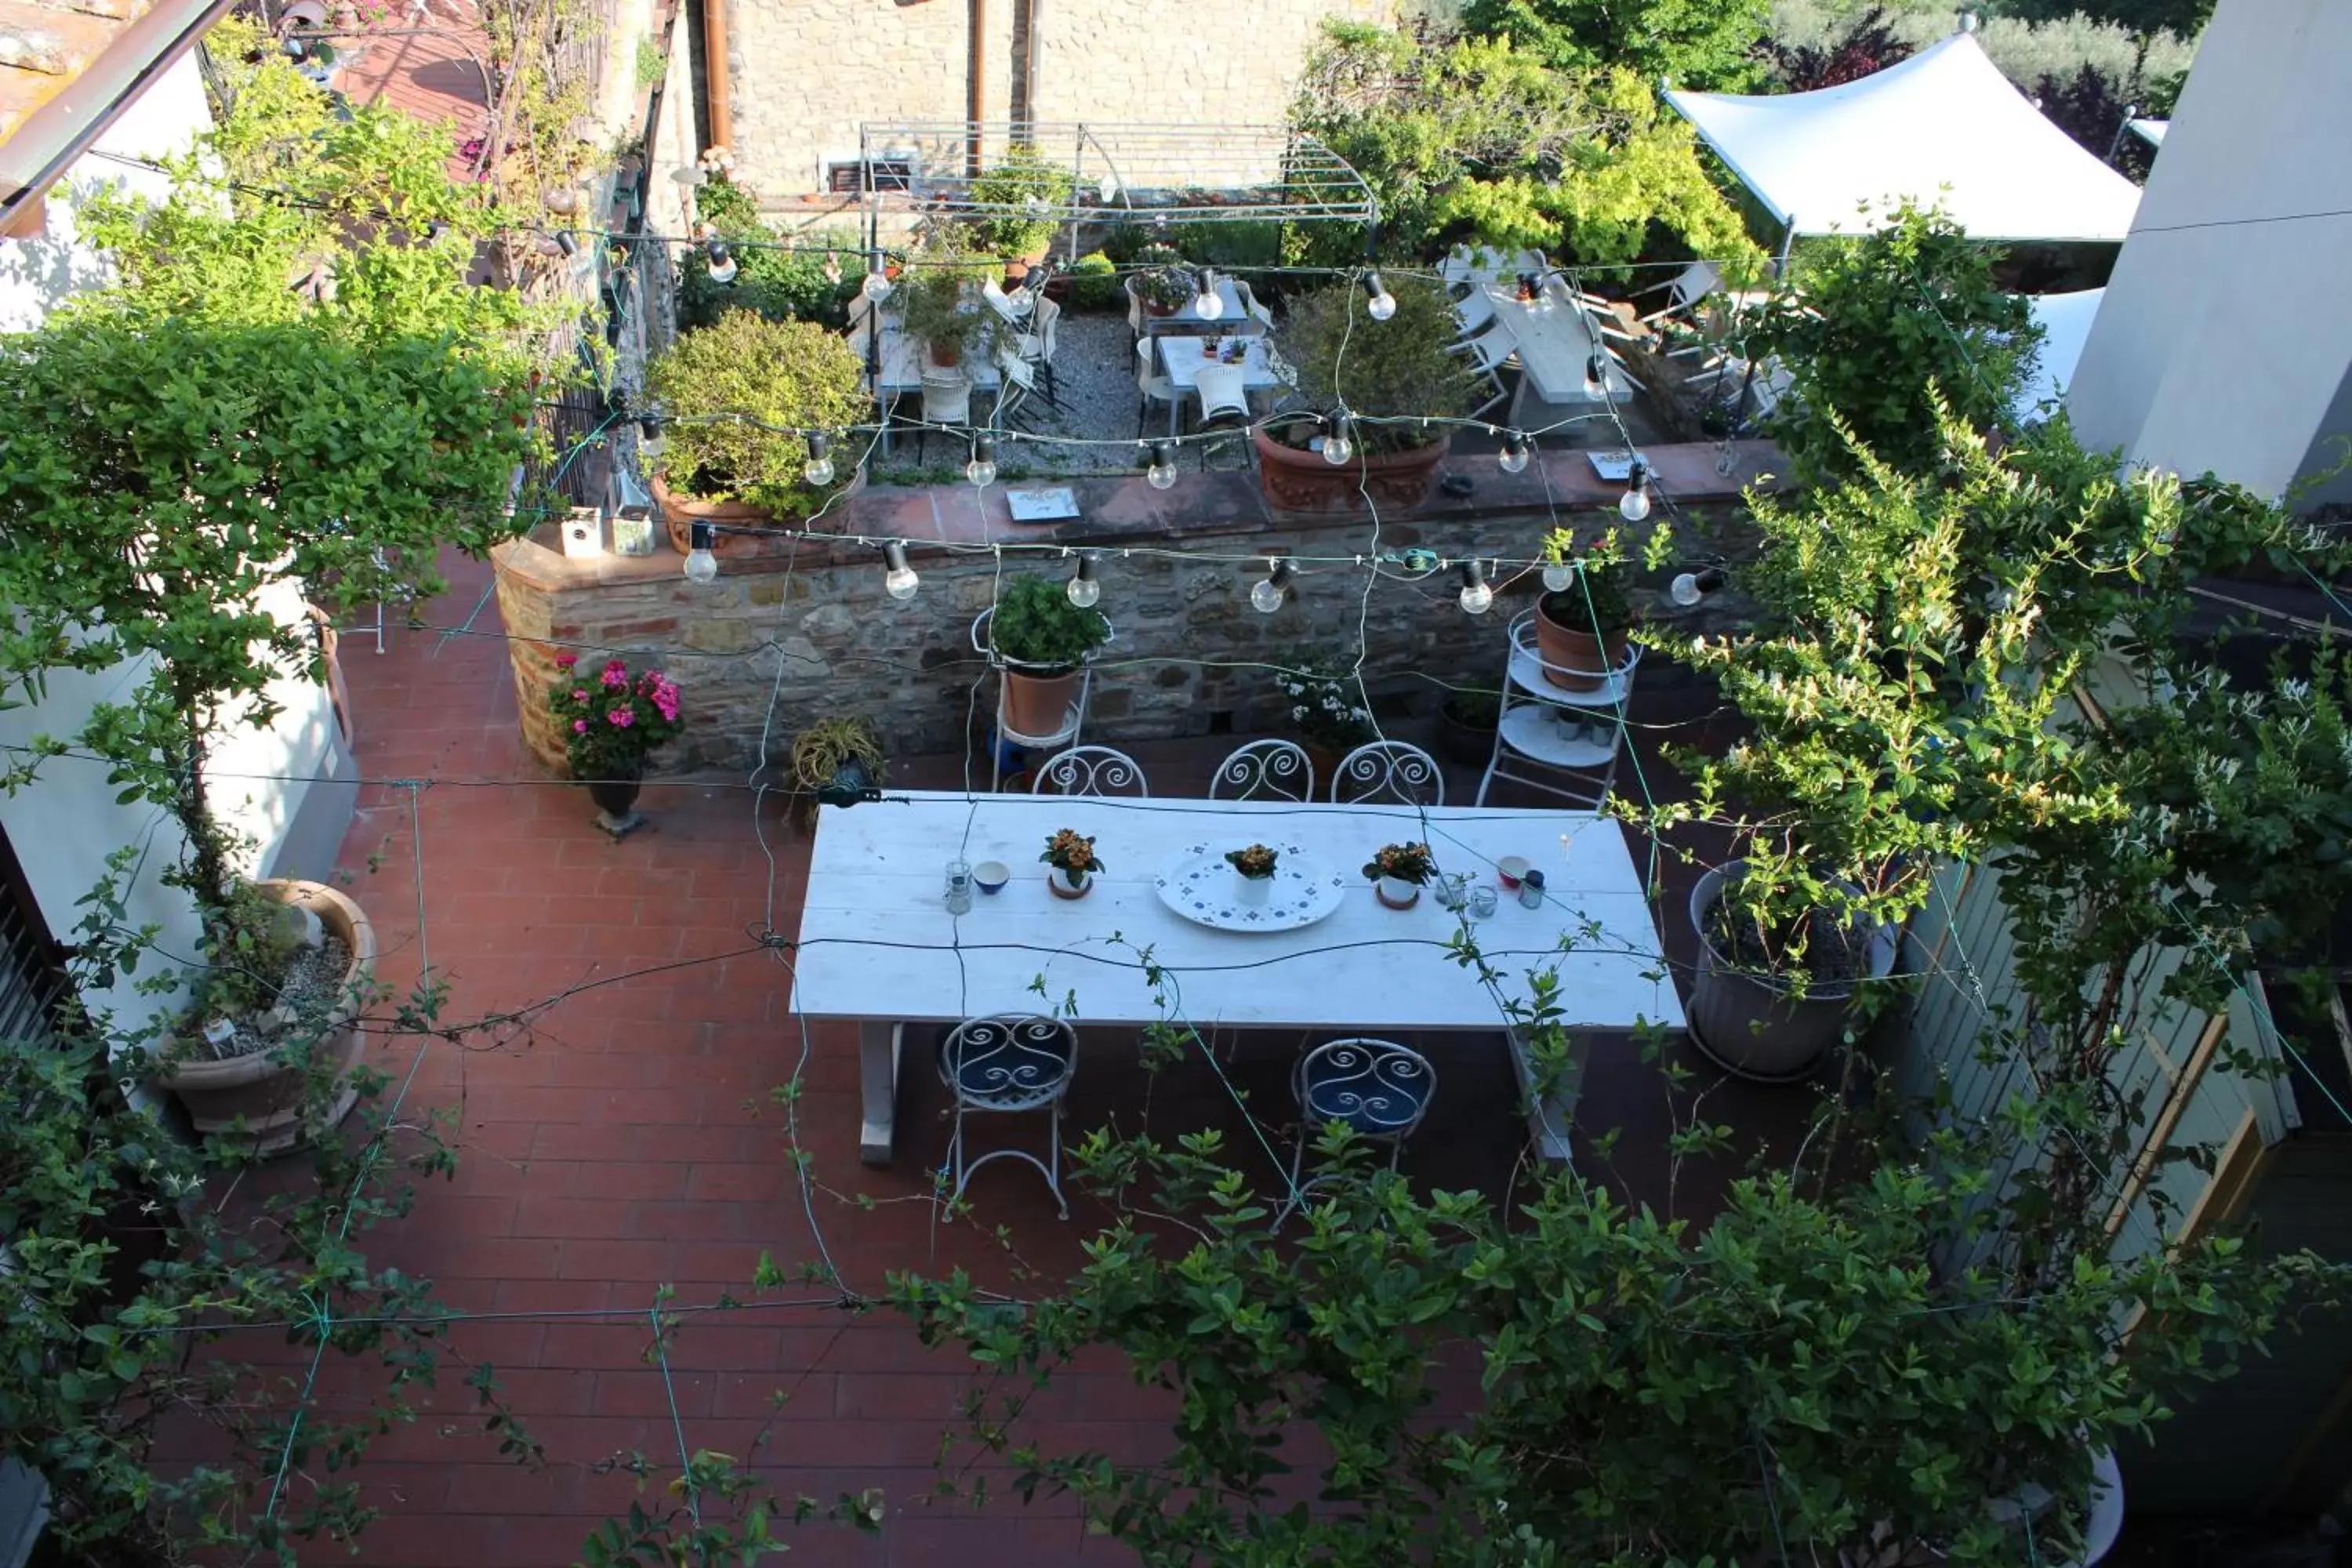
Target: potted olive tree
pixel 1403 369
pixel 736 396
pixel 1039 640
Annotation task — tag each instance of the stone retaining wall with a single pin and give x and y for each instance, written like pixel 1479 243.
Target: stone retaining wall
pixel 799 632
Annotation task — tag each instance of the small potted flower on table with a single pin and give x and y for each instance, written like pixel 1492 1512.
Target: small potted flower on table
pixel 1072 856
pixel 1397 873
pixel 1254 870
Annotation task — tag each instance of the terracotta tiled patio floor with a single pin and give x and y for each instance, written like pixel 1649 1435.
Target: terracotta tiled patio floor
pixel 616 1135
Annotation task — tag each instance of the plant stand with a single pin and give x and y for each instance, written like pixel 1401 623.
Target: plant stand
pixel 1064 735
pixel 1552 738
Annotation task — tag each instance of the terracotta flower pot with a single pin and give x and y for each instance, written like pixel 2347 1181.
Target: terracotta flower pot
pixel 736 519
pixel 267 1093
pixel 1299 480
pixel 1576 660
pixel 1038 705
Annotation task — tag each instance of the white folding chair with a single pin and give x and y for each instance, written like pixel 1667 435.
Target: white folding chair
pixel 1265 770
pixel 1003 1065
pixel 1683 290
pixel 946 400
pixel 1387 771
pixel 1019 380
pixel 1475 311
pixel 1489 352
pixel 1103 772
pixel 1038 342
pixel 1260 317
pixel 1224 404
pixel 1378 1088
pixel 1152 385
pixel 1012 310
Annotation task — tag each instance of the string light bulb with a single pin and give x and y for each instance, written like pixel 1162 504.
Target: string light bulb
pixel 1596 375
pixel 877 279
pixel 1635 504
pixel 899 581
pixel 566 243
pixel 701 565
pixel 1205 303
pixel 1382 303
pixel 818 469
pixel 1514 457
pixel 722 261
pixel 1558 576
pixel 1269 592
pixel 1690 587
pixel 1477 598
pixel 1084 591
pixel 1162 471
pixel 650 440
pixel 1338 445
pixel 981 469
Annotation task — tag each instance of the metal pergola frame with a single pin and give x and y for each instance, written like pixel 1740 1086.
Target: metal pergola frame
pixel 1120 173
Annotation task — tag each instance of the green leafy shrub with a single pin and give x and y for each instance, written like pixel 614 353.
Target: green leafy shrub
pixel 779 284
pixel 791 374
pixel 1094 282
pixel 1693 43
pixel 1025 179
pixel 1238 247
pixel 1402 367
pixel 1036 625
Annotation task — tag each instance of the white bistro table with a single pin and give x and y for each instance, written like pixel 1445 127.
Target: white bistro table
pixel 1184 358
pixel 878 946
pixel 1556 345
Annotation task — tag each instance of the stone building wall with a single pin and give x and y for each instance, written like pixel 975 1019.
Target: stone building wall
pixel 784 639
pixel 805 73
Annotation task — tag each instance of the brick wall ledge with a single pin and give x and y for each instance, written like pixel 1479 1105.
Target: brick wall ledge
pixel 1125 510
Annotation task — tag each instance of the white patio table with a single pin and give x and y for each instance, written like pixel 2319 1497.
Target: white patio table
pixel 1184 358
pixel 878 946
pixel 1556 345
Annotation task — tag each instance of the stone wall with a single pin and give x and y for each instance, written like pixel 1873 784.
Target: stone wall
pixel 797 633
pixel 806 73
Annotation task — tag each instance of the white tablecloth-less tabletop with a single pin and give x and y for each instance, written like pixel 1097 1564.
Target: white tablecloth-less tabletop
pixel 878 946
pixel 1184 358
pixel 1232 316
pixel 1556 346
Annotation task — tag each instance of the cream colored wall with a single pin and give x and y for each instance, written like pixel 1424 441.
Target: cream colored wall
pixel 806 74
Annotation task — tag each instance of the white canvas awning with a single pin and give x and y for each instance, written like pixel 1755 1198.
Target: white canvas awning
pixel 2066 324
pixel 2150 130
pixel 1943 125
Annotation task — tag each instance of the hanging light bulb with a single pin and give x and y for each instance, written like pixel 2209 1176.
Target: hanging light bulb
pixel 1690 587
pixel 722 261
pixel 1162 471
pixel 650 440
pixel 1383 303
pixel 1205 303
pixel 701 565
pixel 1268 593
pixel 1634 505
pixel 1596 376
pixel 981 469
pixel 1514 460
pixel 565 243
pixel 818 469
pixel 878 281
pixel 1477 598
pixel 1558 576
pixel 831 268
pixel 1082 589
pixel 1337 448
pixel 899 582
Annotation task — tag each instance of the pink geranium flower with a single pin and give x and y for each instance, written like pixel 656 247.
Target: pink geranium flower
pixel 580 726
pixel 566 661
pixel 579 694
pixel 622 718
pixel 615 678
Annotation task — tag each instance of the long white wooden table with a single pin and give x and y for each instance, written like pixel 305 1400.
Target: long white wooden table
pixel 878 946
pixel 1556 345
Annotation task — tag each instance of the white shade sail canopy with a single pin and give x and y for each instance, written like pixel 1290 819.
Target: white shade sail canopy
pixel 2150 130
pixel 1944 125
pixel 2066 324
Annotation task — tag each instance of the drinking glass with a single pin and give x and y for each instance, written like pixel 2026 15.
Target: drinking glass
pixel 958 887
pixel 1482 902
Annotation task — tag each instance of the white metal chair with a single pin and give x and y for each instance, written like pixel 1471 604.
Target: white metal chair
pixel 1260 317
pixel 1683 290
pixel 1378 1088
pixel 1038 342
pixel 946 400
pixel 1152 385
pixel 1012 310
pixel 1489 353
pixel 1003 1065
pixel 1018 381
pixel 1386 770
pixel 1265 770
pixel 1475 311
pixel 1104 771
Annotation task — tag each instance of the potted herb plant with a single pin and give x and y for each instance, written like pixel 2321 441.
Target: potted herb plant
pixel 1323 709
pixel 1582 628
pixel 1253 868
pixel 1072 856
pixel 1403 368
pixel 1466 726
pixel 836 759
pixel 609 723
pixel 1040 190
pixel 1397 873
pixel 736 394
pixel 1038 640
pixel 939 312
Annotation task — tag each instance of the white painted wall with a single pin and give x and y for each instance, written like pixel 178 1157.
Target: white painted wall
pixel 2226 332
pixel 297 800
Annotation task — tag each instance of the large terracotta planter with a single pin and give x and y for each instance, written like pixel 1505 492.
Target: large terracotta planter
pixel 681 512
pixel 1298 481
pixel 1752 1024
pixel 1576 660
pixel 267 1093
pixel 1038 705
